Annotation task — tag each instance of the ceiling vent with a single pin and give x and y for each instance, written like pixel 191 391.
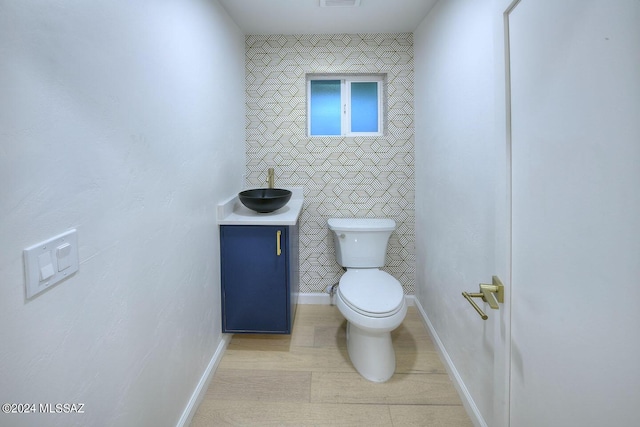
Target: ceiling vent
pixel 339 3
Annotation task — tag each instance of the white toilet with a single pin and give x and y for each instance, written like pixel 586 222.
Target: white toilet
pixel 370 299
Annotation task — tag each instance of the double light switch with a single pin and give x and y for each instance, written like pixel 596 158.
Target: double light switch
pixel 51 261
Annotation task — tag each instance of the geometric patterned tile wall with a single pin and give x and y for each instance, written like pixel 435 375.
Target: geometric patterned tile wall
pixel 342 177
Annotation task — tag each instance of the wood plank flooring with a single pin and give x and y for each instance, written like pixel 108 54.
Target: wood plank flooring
pixel 306 379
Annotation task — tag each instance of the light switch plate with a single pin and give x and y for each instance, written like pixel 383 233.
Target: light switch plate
pixel 50 261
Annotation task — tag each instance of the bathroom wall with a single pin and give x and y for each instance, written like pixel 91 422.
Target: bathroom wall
pixel 553 211
pixel 460 192
pixel 124 120
pixel 342 177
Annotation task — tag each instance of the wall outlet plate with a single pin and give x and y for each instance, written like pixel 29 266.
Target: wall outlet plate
pixel 50 261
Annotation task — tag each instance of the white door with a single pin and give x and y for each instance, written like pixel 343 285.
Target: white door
pixel 575 123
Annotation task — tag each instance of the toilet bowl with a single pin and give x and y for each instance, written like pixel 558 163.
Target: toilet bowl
pixel 371 316
pixel 370 299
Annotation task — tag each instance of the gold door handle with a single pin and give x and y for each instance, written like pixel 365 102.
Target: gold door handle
pixel 278 249
pixel 488 292
pixel 491 294
pixel 468 296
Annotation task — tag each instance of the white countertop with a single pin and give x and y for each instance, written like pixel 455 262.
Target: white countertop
pixel 233 212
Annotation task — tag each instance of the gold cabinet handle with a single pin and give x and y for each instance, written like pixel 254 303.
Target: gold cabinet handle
pixel 491 294
pixel 278 249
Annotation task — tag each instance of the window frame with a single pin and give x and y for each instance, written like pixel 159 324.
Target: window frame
pixel 345 97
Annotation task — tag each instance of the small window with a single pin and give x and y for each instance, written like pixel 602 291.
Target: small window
pixel 340 105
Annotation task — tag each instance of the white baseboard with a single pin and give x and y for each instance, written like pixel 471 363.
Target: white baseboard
pixel 319 298
pixel 203 384
pixel 467 401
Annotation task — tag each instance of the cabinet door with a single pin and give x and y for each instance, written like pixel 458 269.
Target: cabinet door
pixel 255 295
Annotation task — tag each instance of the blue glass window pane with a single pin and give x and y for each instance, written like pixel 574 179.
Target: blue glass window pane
pixel 364 107
pixel 325 107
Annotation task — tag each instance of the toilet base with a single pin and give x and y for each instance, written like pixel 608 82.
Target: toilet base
pixel 371 353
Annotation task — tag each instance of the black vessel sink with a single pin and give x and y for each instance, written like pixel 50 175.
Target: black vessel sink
pixel 264 200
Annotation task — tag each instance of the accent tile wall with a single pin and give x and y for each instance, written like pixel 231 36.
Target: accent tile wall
pixel 342 177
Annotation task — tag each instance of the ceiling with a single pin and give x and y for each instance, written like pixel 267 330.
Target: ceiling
pixel 307 17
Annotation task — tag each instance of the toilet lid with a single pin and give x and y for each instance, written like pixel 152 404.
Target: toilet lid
pixel 371 292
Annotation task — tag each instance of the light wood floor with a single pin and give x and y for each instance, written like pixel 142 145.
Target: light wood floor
pixel 306 379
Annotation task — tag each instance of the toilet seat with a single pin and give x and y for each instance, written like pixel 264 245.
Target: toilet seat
pixel 371 292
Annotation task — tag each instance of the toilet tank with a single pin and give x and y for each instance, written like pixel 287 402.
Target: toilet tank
pixel 361 242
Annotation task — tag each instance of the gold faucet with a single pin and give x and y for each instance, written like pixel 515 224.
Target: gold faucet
pixel 270 178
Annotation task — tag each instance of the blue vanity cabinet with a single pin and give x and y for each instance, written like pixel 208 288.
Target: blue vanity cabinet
pixel 260 278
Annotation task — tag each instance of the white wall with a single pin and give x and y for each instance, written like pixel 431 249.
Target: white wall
pixel 461 193
pixel 125 120
pixel 576 213
pixel 569 352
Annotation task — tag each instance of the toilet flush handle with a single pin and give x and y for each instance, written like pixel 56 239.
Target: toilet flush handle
pixel 342 236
